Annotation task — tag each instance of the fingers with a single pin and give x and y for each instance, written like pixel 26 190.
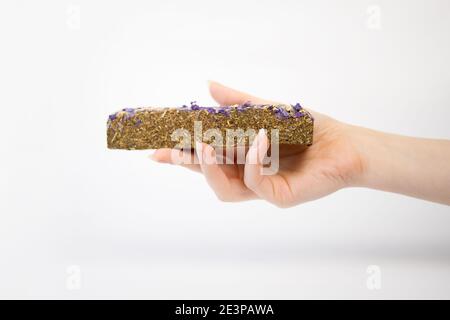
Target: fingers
pixel 227 96
pixel 173 156
pixel 225 180
pixel 214 175
pixel 226 187
pixel 262 185
pixel 162 155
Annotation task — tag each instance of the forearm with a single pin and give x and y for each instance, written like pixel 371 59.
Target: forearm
pixel 411 166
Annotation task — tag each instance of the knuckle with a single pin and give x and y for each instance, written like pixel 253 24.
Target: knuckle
pixel 281 205
pixel 250 183
pixel 224 197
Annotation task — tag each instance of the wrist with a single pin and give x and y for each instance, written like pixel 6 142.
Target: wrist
pixel 368 145
pixel 385 162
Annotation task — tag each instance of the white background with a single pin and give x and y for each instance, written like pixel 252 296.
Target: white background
pixel 80 221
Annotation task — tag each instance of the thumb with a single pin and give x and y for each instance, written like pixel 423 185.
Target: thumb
pixel 227 96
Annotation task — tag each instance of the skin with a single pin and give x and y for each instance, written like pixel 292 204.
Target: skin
pixel 341 156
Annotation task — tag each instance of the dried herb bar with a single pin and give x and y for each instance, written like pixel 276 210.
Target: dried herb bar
pixel 153 128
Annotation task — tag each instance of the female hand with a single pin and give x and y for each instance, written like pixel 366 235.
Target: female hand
pixel 341 156
pixel 331 163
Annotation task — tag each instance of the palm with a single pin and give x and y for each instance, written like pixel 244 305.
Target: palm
pixel 328 165
pixel 305 174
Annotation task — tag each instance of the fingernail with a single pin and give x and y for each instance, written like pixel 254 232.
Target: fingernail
pixel 209 154
pixel 262 148
pixel 199 151
pixel 252 153
pixel 261 132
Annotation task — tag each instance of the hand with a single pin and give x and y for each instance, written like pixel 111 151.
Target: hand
pixel 331 163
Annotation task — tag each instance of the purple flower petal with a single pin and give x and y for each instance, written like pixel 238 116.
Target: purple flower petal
pixel 297 107
pixel 223 111
pixel 194 106
pixel 284 112
pixel 299 114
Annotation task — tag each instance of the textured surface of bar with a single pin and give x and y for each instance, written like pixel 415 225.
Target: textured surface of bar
pixel 154 128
